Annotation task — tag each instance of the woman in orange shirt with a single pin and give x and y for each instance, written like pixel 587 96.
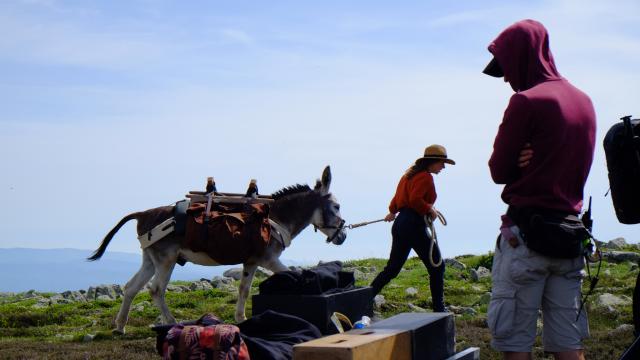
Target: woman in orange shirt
pixel 413 200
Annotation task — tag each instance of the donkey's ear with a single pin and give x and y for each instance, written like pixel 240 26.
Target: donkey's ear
pixel 318 185
pixel 326 178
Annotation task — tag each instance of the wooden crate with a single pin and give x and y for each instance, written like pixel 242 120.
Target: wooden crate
pixel 432 334
pixel 361 344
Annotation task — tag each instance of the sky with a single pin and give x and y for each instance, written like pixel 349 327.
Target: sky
pixel 111 107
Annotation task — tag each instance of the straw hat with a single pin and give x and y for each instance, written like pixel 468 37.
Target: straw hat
pixel 437 152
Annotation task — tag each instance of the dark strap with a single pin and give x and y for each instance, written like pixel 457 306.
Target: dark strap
pixel 180 216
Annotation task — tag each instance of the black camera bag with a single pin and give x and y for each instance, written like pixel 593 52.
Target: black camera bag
pixel 550 233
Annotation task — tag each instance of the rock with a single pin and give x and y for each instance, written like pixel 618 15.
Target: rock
pixel 416 308
pixel 234 273
pixel 31 294
pixel 103 292
pixel 377 316
pixel 221 282
pixel 620 256
pixel 55 298
pixel 624 328
pixel 177 288
pixel 463 310
pixel 58 299
pixel 610 310
pixel 616 244
pixel 200 285
pixel 74 296
pixel 633 266
pixel 379 301
pixel 88 338
pixel 42 303
pixel 140 306
pixel 455 264
pixel 481 272
pixel 607 299
pixel 262 272
pixel 104 298
pixel 359 275
pixel 411 292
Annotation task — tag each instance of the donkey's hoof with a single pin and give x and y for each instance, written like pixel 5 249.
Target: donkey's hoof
pixel 117 332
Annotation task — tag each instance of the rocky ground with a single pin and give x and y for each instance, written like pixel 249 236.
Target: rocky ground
pixel 77 323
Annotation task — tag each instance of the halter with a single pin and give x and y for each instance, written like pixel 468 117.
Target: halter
pixel 335 233
pixel 338 228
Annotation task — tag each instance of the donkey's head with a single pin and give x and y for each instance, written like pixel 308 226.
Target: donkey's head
pixel 326 217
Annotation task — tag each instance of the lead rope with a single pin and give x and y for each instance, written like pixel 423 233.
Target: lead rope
pixel 430 229
pixel 353 226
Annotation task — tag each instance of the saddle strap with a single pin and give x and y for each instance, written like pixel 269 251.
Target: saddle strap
pixel 280 233
pixel 160 231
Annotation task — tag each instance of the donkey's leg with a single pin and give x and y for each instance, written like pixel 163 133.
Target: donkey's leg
pixel 132 287
pixel 271 258
pixel 243 292
pixel 164 268
pixel 275 265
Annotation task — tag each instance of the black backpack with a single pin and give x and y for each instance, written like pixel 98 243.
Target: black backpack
pixel 622 150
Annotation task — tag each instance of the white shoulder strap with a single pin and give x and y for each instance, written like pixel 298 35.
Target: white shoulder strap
pixel 160 231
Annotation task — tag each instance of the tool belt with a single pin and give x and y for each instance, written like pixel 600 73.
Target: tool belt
pixel 550 233
pixel 228 233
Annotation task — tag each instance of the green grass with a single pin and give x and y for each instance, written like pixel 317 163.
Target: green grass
pixel 57 331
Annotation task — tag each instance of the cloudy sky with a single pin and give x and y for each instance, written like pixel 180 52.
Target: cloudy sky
pixel 110 107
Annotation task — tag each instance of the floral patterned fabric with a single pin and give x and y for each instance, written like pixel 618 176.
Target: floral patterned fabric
pixel 208 339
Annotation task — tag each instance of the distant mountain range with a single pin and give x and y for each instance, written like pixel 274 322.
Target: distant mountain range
pixel 58 270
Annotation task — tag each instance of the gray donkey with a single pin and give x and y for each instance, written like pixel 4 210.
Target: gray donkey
pixel 293 209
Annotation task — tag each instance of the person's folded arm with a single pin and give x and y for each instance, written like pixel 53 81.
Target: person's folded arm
pixel 513 134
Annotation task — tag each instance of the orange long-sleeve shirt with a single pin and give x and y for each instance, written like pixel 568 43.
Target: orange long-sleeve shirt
pixel 417 193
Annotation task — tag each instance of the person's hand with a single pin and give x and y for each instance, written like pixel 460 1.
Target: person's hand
pixel 525 155
pixel 390 217
pixel 433 214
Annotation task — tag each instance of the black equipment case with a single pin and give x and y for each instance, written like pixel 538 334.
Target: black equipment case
pixel 622 150
pixel 317 309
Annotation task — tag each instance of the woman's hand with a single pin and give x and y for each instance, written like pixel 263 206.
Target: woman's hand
pixel 390 217
pixel 433 214
pixel 525 155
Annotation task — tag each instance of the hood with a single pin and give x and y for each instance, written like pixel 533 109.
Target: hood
pixel 522 51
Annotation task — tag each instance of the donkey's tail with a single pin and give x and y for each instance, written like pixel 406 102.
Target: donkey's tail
pixel 105 242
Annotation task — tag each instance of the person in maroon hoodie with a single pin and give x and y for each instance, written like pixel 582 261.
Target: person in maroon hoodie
pixel 542 154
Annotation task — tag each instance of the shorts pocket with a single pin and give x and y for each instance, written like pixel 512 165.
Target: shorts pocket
pixel 502 312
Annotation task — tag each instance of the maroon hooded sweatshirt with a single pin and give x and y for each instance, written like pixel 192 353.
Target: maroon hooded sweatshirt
pixel 556 118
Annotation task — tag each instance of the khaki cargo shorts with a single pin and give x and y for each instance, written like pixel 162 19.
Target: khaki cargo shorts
pixel 525 282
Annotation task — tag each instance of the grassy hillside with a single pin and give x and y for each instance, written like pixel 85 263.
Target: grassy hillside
pixel 62 331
